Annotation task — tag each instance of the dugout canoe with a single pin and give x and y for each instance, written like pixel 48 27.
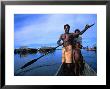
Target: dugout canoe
pixel 88 71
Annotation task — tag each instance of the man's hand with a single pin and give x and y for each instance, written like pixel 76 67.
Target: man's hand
pixel 60 44
pixel 88 26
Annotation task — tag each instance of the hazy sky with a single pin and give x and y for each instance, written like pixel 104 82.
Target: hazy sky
pixel 40 29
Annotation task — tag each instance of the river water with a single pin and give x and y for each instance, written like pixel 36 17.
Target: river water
pixel 47 65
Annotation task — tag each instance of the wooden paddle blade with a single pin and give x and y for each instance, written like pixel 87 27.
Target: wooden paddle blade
pixel 29 63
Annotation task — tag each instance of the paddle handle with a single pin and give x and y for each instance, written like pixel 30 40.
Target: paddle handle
pixel 92 25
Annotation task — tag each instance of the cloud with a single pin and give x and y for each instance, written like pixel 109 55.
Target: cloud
pixel 46 28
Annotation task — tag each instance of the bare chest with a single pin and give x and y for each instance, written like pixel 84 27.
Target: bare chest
pixel 66 37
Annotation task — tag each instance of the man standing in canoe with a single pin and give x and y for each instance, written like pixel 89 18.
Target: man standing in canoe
pixel 68 49
pixel 77 55
pixel 79 62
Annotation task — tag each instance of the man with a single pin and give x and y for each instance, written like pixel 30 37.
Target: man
pixel 79 62
pixel 78 58
pixel 67 50
pixel 78 40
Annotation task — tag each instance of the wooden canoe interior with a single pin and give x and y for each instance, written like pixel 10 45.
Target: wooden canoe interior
pixel 88 71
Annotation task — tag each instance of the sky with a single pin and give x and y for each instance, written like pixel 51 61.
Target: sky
pixel 35 30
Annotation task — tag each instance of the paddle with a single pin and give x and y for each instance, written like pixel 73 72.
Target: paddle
pixel 34 60
pixel 91 25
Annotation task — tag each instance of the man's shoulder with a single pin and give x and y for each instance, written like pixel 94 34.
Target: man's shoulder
pixel 71 33
pixel 74 33
pixel 67 34
pixel 62 34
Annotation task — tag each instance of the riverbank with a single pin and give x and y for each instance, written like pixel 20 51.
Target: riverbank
pixel 34 50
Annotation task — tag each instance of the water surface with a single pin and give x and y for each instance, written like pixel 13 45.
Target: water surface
pixel 49 64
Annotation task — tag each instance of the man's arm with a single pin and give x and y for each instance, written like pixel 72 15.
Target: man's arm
pixel 86 27
pixel 59 41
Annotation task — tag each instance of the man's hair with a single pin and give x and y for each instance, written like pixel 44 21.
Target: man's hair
pixel 66 25
pixel 77 30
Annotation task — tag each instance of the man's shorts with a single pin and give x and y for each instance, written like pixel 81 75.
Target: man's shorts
pixel 67 54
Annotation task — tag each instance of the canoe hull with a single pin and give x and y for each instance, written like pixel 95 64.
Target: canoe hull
pixel 88 71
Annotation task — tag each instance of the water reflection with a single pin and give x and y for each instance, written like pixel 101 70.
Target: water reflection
pixel 31 69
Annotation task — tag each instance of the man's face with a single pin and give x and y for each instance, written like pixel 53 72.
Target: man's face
pixel 67 29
